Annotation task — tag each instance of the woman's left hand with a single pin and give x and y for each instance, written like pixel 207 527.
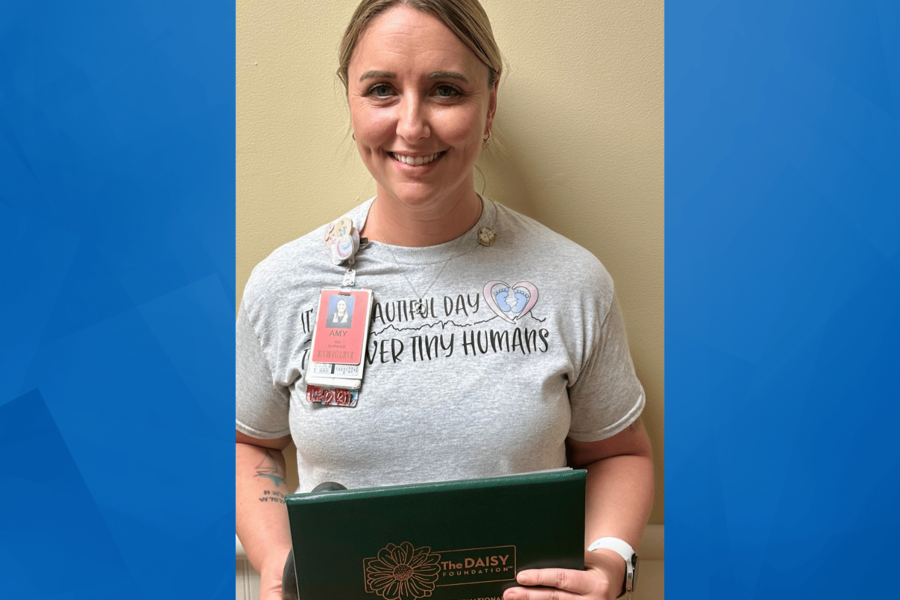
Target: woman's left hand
pixel 602 579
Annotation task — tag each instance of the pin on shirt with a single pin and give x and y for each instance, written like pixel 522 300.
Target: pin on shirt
pixel 342 239
pixel 486 236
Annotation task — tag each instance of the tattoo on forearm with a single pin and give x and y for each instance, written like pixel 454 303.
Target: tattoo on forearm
pixel 270 469
pixel 272 497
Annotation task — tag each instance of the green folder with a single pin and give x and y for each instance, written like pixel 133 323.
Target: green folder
pixel 455 540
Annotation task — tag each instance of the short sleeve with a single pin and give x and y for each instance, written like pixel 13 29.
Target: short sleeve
pixel 607 396
pixel 261 407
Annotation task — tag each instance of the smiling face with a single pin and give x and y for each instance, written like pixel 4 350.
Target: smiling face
pixel 341 307
pixel 420 105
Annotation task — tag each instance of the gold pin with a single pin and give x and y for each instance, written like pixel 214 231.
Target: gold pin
pixel 486 236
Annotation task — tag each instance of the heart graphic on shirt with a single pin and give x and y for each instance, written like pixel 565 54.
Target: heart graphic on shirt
pixel 510 302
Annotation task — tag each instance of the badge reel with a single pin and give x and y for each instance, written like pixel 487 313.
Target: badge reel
pixel 337 360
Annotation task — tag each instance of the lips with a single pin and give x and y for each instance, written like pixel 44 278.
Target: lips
pixel 416 161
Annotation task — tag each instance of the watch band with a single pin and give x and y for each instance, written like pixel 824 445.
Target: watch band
pixel 623 549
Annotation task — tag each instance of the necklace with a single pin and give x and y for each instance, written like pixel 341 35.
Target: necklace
pixel 418 305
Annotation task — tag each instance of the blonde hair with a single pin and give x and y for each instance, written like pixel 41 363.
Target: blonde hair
pixel 465 18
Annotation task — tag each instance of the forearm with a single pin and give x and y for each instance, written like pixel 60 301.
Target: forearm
pixel 619 489
pixel 619 496
pixel 261 515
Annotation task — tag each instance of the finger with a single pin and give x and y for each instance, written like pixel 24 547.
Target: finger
pixel 569 580
pixel 539 593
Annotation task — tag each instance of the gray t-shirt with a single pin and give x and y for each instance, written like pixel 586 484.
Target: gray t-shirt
pixel 523 345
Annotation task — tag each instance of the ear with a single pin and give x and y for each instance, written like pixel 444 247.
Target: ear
pixel 492 106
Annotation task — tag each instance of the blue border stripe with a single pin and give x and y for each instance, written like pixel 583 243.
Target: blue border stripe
pixel 782 281
pixel 117 287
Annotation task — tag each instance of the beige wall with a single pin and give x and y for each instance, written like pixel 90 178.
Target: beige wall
pixel 580 116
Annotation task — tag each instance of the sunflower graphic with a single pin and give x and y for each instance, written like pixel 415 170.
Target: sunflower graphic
pixel 403 572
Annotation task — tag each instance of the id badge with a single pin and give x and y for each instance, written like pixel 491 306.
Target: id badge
pixel 338 351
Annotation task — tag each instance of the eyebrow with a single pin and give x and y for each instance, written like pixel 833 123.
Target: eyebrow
pixel 377 75
pixel 448 75
pixel 432 75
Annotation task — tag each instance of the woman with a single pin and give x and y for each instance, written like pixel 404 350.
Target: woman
pixel 422 80
pixel 341 316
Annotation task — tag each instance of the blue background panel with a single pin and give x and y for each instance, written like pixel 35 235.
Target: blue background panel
pixel 57 515
pixel 117 288
pixel 782 296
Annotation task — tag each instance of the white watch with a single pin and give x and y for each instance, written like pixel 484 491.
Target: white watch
pixel 623 549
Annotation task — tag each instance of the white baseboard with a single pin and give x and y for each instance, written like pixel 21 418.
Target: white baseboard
pixel 651 583
pixel 653 544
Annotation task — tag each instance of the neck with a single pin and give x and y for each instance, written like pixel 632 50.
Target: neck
pixel 399 225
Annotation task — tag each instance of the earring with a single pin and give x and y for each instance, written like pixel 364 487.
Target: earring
pixel 486 140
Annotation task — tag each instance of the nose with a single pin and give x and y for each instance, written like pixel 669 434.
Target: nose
pixel 412 122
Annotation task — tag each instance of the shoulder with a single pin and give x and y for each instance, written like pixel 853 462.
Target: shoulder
pixel 548 251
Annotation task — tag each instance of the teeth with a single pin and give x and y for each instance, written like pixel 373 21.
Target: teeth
pixel 415 161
